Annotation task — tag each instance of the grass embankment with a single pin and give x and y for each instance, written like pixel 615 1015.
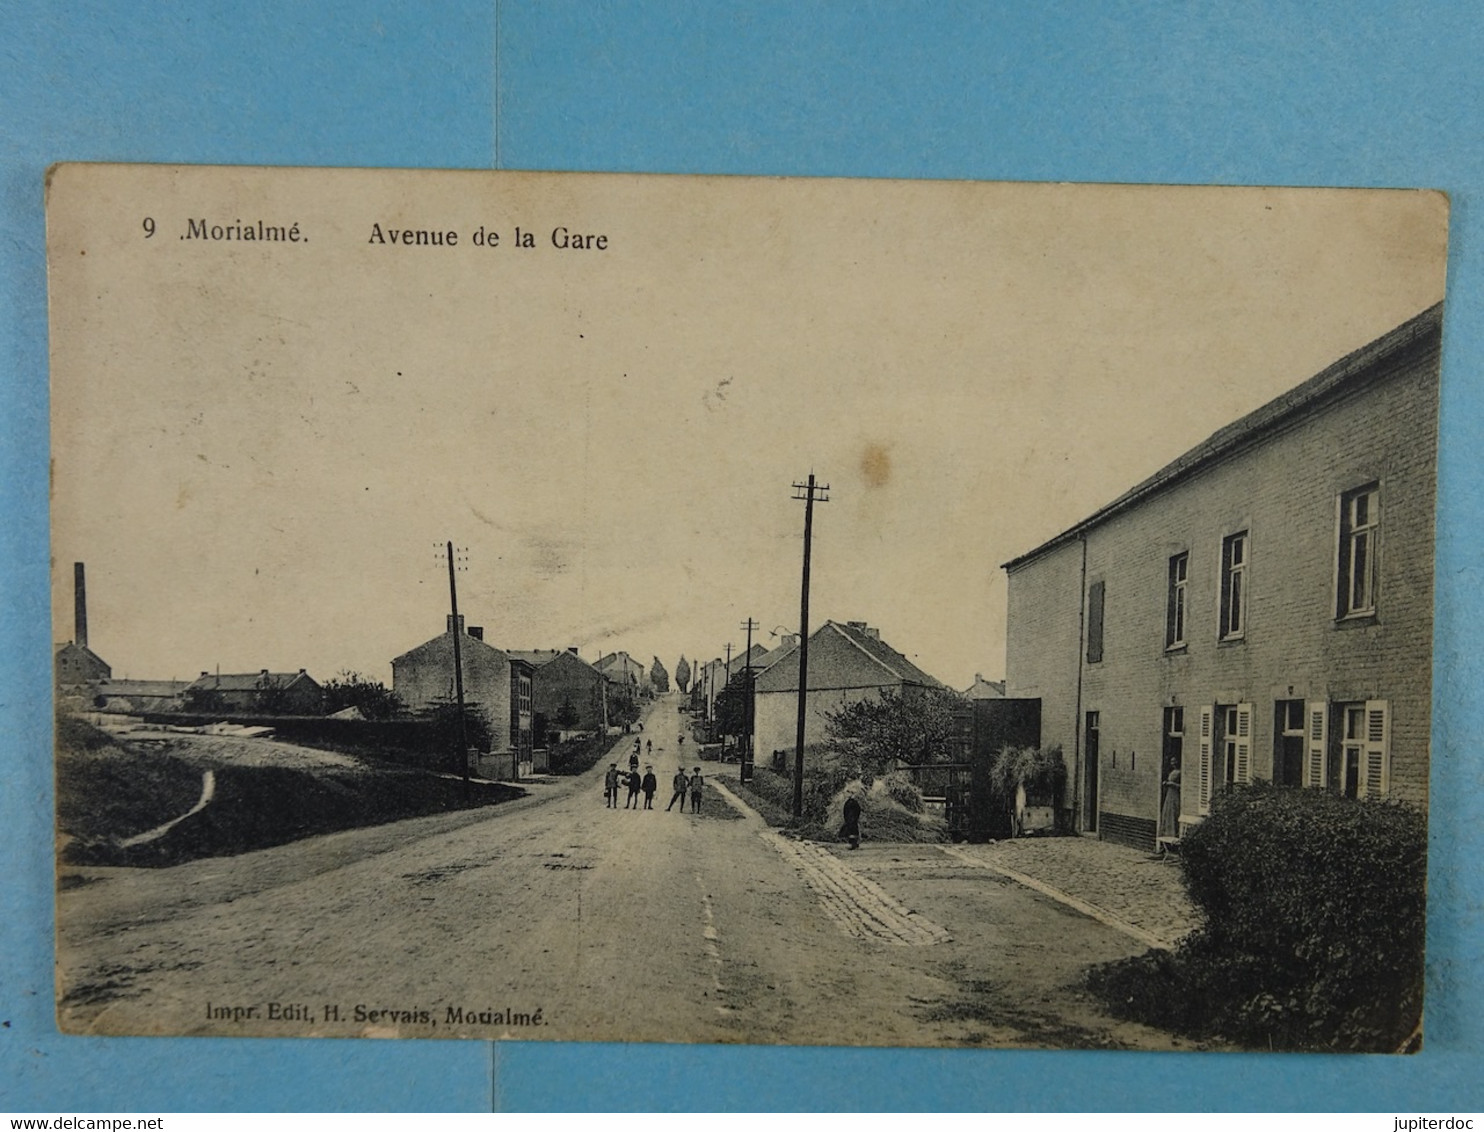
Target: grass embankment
pixel 109 791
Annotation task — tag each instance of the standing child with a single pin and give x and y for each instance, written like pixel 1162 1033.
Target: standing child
pixel 696 784
pixel 680 783
pixel 650 785
pixel 610 786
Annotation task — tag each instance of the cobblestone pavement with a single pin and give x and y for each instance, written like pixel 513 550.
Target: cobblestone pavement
pixel 1128 886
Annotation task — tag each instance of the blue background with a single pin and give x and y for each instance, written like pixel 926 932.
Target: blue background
pixel 1264 92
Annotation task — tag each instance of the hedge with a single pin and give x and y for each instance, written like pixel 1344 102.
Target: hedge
pixel 1314 926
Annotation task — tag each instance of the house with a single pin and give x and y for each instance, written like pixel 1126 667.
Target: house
pixel 567 692
pixel 423 678
pixel 522 736
pixel 255 693
pixel 77 669
pixel 622 669
pixel 1260 608
pixel 982 689
pixel 137 697
pixel 848 663
pixel 716 674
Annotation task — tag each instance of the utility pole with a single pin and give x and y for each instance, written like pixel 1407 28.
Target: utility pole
pixel 812 492
pixel 458 669
pixel 744 769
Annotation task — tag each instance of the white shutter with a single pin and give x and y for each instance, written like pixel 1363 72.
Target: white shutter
pixel 1244 745
pixel 1376 771
pixel 1316 743
pixel 1206 746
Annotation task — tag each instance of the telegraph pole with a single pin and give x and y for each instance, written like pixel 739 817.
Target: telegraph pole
pixel 812 492
pixel 744 769
pixel 458 670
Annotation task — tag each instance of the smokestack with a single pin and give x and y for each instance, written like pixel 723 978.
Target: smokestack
pixel 79 605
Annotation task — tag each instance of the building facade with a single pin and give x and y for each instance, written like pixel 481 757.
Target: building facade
pixel 423 678
pixel 848 663
pixel 255 693
pixel 1261 608
pixel 568 693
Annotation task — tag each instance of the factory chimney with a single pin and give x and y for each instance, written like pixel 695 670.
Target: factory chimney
pixel 79 605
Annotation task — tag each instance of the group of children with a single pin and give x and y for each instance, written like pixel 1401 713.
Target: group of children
pixel 691 785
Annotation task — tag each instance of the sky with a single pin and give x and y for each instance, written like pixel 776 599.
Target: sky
pixel 260 449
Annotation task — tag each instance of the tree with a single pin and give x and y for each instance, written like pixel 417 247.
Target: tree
pixel 566 716
pixel 914 726
pixel 733 704
pixel 203 701
pixel 659 677
pixel 682 675
pixel 444 716
pixel 372 698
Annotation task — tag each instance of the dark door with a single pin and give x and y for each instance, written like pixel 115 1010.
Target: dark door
pixel 1090 746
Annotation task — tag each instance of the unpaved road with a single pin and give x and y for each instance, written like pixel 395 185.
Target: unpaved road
pixel 613 924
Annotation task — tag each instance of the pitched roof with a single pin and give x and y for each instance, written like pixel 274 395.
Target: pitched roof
pixel 1355 370
pixel 465 642
pixel 887 665
pixel 536 657
pixel 983 689
pixel 142 687
pixel 247 681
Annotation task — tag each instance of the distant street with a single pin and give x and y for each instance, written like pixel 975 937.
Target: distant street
pixel 613 924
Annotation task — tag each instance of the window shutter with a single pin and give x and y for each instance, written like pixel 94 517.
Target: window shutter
pixel 1376 773
pixel 1095 623
pixel 1244 744
pixel 1316 743
pixel 1206 745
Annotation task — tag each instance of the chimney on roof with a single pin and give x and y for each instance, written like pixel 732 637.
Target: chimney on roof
pixel 205 673
pixel 302 672
pixel 448 623
pixel 572 649
pixel 79 605
pixel 477 632
pixel 262 672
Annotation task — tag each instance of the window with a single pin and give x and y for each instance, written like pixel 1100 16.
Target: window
pixel 1095 600
pixel 1290 730
pixel 1175 602
pixel 1226 750
pixel 1234 586
pixel 1360 766
pixel 1360 517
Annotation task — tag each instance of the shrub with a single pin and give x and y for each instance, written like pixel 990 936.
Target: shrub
pixel 902 790
pixel 1314 925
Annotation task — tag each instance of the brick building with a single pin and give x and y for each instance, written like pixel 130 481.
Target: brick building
pixel 423 678
pixel 1261 608
pixel 255 693
pixel 568 693
pixel 848 663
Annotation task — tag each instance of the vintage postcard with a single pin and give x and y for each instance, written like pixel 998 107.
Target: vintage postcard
pixel 716 609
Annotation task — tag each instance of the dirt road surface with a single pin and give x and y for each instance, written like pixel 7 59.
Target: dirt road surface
pixel 553 917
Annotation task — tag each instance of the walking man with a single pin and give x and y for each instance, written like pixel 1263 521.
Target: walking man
pixel 696 783
pixel 852 828
pixel 681 783
pixel 610 786
pixel 650 785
